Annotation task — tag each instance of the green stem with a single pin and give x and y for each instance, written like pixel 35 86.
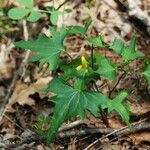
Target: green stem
pixel 92 57
pixel 110 93
pixel 43 11
pixel 102 112
pixel 79 84
pixel 62 4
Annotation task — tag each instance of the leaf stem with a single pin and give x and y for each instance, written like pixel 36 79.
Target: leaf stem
pixel 92 56
pixel 62 4
pixel 111 91
pixel 102 112
pixel 42 11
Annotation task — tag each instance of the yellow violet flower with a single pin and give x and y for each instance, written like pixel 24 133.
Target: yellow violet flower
pixel 84 65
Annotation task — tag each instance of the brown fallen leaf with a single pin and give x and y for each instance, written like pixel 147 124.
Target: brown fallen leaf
pixel 115 121
pixel 23 91
pixel 139 138
pixel 112 147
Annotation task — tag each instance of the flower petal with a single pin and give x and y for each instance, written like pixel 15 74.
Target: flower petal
pixel 79 68
pixel 83 61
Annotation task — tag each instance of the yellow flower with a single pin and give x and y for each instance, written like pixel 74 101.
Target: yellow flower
pixel 83 66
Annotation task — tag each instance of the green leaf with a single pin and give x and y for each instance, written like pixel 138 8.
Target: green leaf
pixel 120 107
pixel 69 103
pixel 54 16
pixel 34 16
pixel 69 69
pixel 130 52
pixel 66 11
pixel 50 9
pixel 78 29
pixel 26 3
pixel 1 13
pixel 48 48
pixel 96 41
pixel 117 46
pixel 18 13
pixel 147 74
pixel 80 84
pixel 105 69
pixel 48 51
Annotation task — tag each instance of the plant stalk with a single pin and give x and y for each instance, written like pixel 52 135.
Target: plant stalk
pixel 102 112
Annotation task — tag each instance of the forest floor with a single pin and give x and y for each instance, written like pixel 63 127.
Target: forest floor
pixel 21 104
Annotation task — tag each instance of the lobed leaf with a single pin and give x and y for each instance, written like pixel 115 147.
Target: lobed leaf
pixel 120 107
pixel 49 48
pixel 117 46
pixel 78 29
pixel 71 102
pixel 106 69
pixel 96 41
pixel 128 52
pixel 48 51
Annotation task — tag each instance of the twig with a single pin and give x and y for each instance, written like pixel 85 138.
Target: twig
pixel 16 75
pixel 71 125
pixel 88 131
pixel 108 131
pixel 123 131
pixel 14 122
pixel 102 112
pixel 83 132
pixel 6 99
pixel 116 84
pixel 62 4
pixel 27 54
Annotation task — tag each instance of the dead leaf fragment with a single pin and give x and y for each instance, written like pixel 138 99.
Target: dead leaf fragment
pixel 23 91
pixel 139 138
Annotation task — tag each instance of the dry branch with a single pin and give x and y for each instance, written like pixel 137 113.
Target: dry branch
pixel 136 127
pixel 18 72
pixel 123 131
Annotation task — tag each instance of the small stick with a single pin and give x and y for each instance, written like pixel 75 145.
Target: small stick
pixel 71 125
pixel 14 122
pixel 62 4
pixel 16 75
pixel 123 131
pixel 102 112
pixel 138 126
pixel 83 132
pixel 110 93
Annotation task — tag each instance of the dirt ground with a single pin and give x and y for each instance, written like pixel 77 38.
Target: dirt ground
pixel 22 103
